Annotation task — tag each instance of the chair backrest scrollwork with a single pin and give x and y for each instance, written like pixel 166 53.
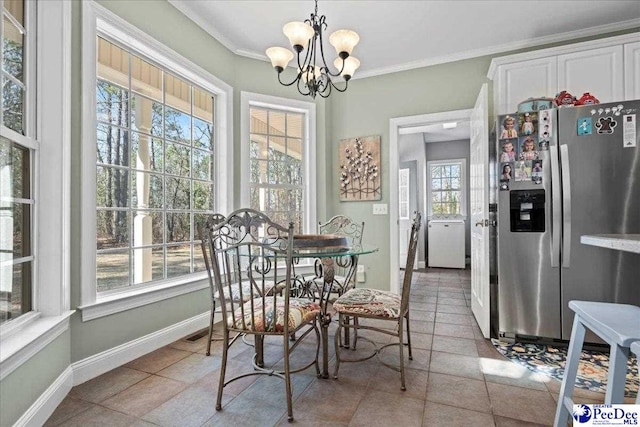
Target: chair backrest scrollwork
pixel 411 257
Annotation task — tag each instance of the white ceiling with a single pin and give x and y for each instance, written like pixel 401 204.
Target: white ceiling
pixel 400 35
pixel 435 132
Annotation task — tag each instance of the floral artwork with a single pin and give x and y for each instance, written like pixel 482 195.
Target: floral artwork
pixel 360 168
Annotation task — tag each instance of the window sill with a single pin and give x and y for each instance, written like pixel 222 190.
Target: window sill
pixel 123 301
pixel 20 346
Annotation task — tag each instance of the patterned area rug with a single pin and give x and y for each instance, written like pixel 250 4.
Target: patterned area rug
pixel 549 360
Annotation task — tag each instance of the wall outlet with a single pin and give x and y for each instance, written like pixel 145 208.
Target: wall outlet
pixel 360 274
pixel 380 209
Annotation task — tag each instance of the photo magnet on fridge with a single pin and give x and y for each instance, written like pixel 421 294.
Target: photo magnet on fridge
pixel 536 172
pixel 523 170
pixel 584 126
pixel 629 131
pixel 506 172
pixel 606 125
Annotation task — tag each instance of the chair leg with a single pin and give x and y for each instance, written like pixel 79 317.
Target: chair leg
pixel 617 374
pixel 570 373
pixel 401 347
pixel 287 379
pixel 408 336
pixel 213 312
pixel 355 333
pixel 337 345
pixel 223 368
pixel 259 349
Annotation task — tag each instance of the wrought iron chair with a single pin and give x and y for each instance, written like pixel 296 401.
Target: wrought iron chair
pixel 250 249
pixel 381 305
pixel 344 268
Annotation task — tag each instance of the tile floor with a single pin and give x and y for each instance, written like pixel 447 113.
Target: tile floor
pixel 455 378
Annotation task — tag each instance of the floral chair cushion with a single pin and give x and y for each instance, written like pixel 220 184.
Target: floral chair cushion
pixel 248 291
pixel 300 311
pixel 369 302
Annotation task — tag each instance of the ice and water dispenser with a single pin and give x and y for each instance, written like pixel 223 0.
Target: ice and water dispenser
pixel 527 211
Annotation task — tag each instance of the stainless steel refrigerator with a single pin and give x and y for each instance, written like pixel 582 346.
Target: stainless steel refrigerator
pixel 587 181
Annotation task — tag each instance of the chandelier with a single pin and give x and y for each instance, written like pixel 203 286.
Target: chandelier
pixel 313 79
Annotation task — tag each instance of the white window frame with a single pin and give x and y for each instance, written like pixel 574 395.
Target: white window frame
pixel 99 21
pixel 308 109
pixel 463 186
pixel 407 173
pixel 48 111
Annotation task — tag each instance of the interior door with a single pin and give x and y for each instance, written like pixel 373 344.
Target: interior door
pixel 479 209
pixel 404 215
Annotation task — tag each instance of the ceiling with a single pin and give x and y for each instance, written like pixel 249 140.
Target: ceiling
pixel 435 132
pixel 400 35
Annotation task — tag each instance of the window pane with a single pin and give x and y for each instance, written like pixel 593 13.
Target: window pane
pixel 113 145
pixel 258 120
pixel 257 199
pixel 438 209
pixel 294 125
pixel 16 9
pixel 436 184
pixel 112 229
pixel 12 50
pixel 203 104
pixel 14 168
pixel 202 134
pixel 112 270
pixel 258 149
pixel 177 125
pixel 294 148
pixel 455 183
pixel 178 227
pixel 446 183
pixel 113 63
pixel 258 171
pixel 148 156
pixel 112 104
pixel 18 218
pixel 178 159
pixel 202 165
pixel 146 78
pixel 146 115
pixel 295 200
pixel 277 148
pixel 202 196
pixel 177 93
pixel 198 259
pixel 177 193
pixel 155 268
pixel 15 299
pixel 146 219
pixel 276 122
pixel 455 170
pixel 276 172
pixel 295 172
pixel 12 105
pixel 178 260
pixel 278 199
pixel 436 172
pixel 149 194
pixel 112 187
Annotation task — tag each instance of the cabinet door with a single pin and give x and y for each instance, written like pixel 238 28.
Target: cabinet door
pixel 632 71
pixel 526 79
pixel 597 71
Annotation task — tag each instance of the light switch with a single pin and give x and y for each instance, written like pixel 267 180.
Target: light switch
pixel 380 209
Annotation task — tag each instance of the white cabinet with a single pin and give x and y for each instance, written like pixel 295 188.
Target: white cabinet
pixel 446 243
pixel 632 70
pixel 524 79
pixel 608 68
pixel 597 71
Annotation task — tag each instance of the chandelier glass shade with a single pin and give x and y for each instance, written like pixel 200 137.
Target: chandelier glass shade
pixel 306 41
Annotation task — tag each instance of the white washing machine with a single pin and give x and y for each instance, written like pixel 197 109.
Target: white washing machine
pixel 446 241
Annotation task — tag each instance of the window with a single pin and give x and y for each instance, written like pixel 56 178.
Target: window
pixel 17 148
pixel 447 187
pixel 403 187
pixel 279 172
pixel 159 125
pixel 34 177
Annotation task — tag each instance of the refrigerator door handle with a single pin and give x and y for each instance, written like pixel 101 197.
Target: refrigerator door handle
pixel 556 213
pixel 566 206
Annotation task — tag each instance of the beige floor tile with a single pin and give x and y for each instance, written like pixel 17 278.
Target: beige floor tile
pixel 452 301
pixel 145 396
pixel 456 319
pixel 456 364
pixel 191 407
pixel 157 360
pixel 335 401
pixel 437 415
pixel 461 392
pixel 453 309
pixel 487 350
pixel 421 358
pixel 388 380
pixel 463 346
pixel 68 408
pixel 451 330
pixel 379 408
pixel 192 368
pixel 510 422
pixel 415 306
pixel 246 412
pixel 98 416
pixel 421 327
pixel 509 373
pixel 108 384
pixel 522 404
pixel 423 341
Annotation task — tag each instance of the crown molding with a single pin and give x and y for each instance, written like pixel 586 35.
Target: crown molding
pixel 192 13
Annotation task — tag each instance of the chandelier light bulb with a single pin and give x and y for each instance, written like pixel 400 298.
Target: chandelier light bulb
pixel 351 64
pixel 298 33
pixel 344 41
pixel 311 74
pixel 280 57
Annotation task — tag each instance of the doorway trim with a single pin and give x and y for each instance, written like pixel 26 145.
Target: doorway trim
pixel 395 124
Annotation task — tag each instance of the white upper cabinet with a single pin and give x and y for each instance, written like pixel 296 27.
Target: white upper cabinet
pixel 525 79
pixel 632 71
pixel 597 71
pixel 608 68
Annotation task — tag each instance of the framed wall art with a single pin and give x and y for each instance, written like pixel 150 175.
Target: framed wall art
pixel 359 160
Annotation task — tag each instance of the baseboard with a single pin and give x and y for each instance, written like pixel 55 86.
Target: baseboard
pixel 422 264
pixel 98 364
pixel 48 401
